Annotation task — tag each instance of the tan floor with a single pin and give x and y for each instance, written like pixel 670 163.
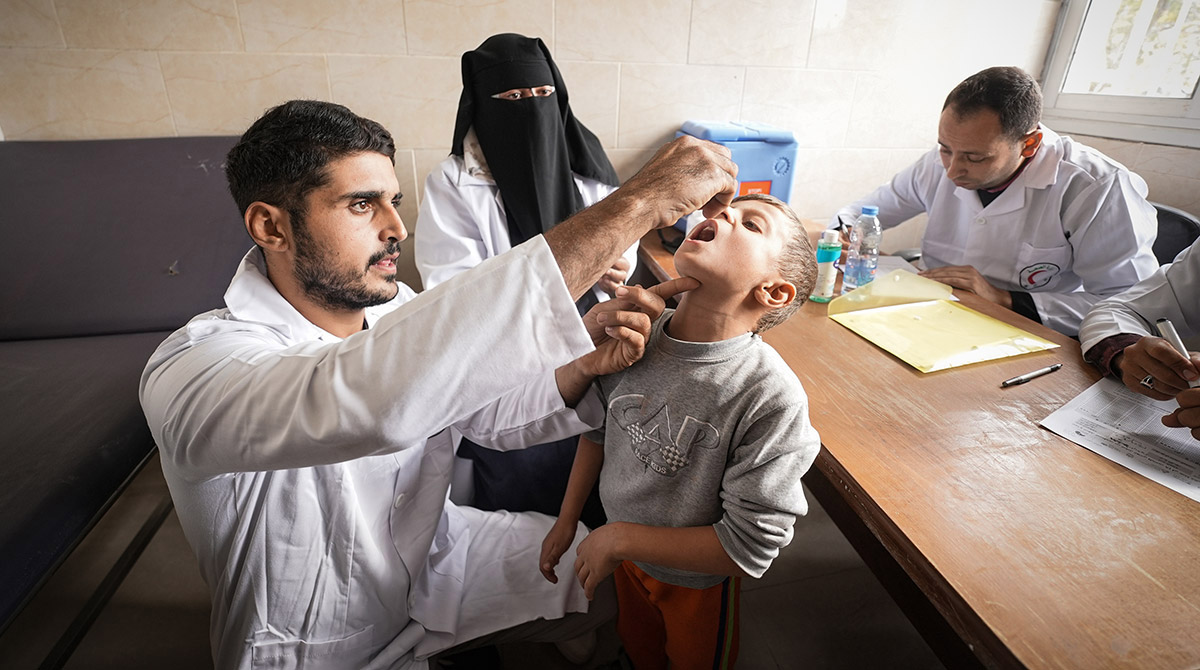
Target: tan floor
pixel 818 607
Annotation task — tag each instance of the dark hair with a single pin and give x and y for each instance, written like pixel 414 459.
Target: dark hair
pixel 797 262
pixel 1010 92
pixel 284 154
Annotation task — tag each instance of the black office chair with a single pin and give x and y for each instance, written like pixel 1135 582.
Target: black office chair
pixel 1177 230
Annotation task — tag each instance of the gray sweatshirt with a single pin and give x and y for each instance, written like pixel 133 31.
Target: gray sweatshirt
pixel 707 433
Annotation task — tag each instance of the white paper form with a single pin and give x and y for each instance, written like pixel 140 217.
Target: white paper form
pixel 1126 428
pixel 889 263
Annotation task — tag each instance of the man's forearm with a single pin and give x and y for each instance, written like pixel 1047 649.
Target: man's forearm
pixel 587 244
pixel 684 175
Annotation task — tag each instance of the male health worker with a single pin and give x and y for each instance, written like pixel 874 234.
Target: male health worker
pixel 303 427
pixel 1023 217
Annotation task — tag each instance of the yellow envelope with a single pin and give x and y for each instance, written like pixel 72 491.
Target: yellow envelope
pixel 915 319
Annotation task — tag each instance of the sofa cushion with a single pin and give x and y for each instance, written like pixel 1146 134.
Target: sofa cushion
pixel 73 434
pixel 114 236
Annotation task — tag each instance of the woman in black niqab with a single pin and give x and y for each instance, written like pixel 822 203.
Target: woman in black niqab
pixel 532 145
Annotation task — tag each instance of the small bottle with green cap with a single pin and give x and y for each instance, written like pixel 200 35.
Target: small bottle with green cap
pixel 829 248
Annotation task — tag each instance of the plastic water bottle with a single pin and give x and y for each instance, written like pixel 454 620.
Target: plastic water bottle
pixel 863 255
pixel 829 249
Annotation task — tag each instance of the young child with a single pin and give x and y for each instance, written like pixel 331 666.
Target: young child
pixel 704 443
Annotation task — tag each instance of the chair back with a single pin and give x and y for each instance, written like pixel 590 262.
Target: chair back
pixel 1177 230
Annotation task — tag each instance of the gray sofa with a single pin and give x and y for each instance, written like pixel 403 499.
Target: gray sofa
pixel 105 248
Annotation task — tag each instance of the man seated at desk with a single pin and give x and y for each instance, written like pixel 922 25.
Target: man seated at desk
pixel 1023 217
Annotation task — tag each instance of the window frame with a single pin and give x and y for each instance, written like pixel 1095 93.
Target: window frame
pixel 1155 120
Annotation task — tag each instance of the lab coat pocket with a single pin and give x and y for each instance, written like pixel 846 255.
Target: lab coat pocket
pixel 1040 267
pixel 273 649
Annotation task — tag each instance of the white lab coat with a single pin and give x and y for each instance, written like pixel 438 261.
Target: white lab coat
pixel 310 472
pixel 1074 228
pixel 1172 292
pixel 462 221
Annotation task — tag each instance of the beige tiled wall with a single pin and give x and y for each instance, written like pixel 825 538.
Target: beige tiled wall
pixel 860 82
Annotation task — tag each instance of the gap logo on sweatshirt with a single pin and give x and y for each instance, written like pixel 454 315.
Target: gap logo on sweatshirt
pixel 662 449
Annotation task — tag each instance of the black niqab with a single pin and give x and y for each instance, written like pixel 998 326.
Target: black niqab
pixel 531 145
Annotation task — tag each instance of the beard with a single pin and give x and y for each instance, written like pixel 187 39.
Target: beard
pixel 336 289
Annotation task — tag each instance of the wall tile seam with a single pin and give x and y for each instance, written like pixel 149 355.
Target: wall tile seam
pixel 166 92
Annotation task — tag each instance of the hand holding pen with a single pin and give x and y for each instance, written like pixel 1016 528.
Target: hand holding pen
pixel 1157 367
pixel 1188 414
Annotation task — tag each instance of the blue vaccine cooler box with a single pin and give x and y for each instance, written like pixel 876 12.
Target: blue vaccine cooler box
pixel 765 155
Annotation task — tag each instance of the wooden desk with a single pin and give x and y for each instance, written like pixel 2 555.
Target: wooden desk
pixel 1031 550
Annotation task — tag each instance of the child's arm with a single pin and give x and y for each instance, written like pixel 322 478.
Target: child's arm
pixel 695 548
pixel 589 457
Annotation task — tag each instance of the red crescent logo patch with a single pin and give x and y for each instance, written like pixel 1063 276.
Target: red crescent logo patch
pixel 1038 275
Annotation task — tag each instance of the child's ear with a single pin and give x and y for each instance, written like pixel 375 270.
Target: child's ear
pixel 775 294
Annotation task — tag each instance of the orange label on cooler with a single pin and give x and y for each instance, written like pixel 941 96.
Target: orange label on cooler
pixel 749 187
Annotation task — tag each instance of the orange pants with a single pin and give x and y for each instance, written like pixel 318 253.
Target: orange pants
pixel 666 626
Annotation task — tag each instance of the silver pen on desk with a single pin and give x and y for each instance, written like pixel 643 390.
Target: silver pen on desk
pixel 1168 332
pixel 1021 379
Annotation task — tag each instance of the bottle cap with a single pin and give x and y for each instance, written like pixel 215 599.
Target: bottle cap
pixel 870 210
pixel 831 236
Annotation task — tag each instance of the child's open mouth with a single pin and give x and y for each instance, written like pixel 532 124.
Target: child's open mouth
pixel 705 232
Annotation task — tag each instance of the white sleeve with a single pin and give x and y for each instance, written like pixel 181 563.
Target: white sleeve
pixel 448 238
pixel 1172 292
pixel 532 414
pixel 232 401
pixel 1112 230
pixel 902 198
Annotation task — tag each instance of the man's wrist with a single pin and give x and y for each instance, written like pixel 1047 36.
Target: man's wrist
pixel 1114 364
pixel 1103 353
pixel 1022 303
pixel 586 367
pixel 640 206
pixel 573 380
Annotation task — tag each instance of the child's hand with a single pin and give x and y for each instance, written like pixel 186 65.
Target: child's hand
pixel 615 277
pixel 596 557
pixel 557 541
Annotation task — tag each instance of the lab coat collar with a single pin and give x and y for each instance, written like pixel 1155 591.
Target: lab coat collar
pixel 253 298
pixel 474 170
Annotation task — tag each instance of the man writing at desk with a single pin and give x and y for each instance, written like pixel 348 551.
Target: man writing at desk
pixel 1019 215
pixel 303 427
pixel 1120 338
